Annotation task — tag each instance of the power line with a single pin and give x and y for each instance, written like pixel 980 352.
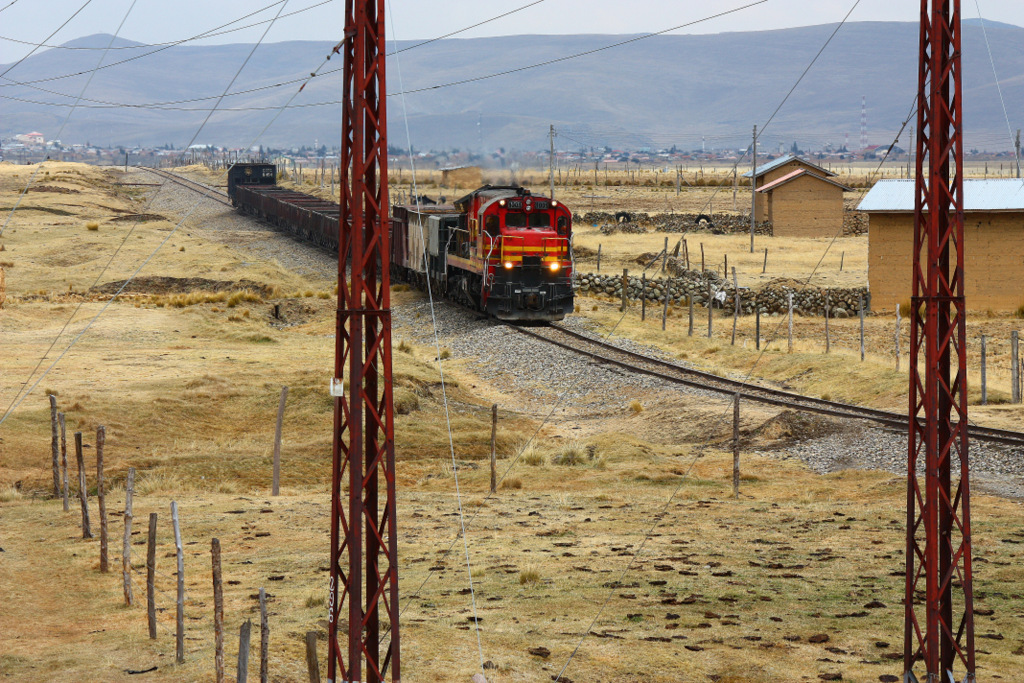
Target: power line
pixel 999 88
pixel 14 405
pixel 139 46
pixel 38 45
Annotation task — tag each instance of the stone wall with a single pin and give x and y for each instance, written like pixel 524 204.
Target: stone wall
pixel 772 298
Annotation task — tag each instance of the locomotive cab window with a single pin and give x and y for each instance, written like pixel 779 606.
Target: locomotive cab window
pixel 563 225
pixel 491 225
pixel 515 220
pixel 540 220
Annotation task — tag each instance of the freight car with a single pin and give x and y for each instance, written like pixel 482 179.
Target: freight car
pixel 500 250
pixel 253 190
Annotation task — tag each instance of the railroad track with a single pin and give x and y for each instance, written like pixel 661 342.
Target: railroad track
pixel 603 352
pixel 205 190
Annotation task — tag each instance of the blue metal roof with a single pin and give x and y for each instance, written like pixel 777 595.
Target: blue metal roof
pixel 897 196
pixel 782 161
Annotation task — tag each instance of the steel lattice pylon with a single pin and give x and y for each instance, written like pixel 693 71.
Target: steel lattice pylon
pixel 363 525
pixel 939 620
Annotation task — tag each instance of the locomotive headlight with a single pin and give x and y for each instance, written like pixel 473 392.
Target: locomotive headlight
pixel 501 202
pixel 554 266
pixel 508 265
pixel 554 203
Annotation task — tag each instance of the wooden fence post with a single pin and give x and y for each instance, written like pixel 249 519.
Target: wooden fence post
pixel 984 387
pixel 860 308
pixel 494 444
pixel 643 296
pixel 664 258
pixel 764 267
pixel 599 258
pixel 686 253
pixel 55 444
pixel 664 308
pixel 277 443
pixel 179 649
pixel 757 327
pixel 710 310
pixel 789 300
pixel 101 494
pixel 264 639
pixel 151 576
pixel 736 307
pixel 897 337
pixel 702 257
pixel 842 259
pixel 83 492
pixel 689 305
pixel 736 446
pixel 218 613
pixel 312 662
pixel 64 461
pixel 625 287
pixel 126 547
pixel 828 338
pixel 243 652
pixel 1015 367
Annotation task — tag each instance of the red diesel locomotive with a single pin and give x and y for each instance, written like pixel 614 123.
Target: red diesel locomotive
pixel 500 250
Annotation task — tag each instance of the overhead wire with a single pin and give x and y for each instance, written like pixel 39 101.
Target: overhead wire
pixel 999 87
pixel 561 397
pixel 140 46
pixel 440 363
pixel 18 400
pixel 39 45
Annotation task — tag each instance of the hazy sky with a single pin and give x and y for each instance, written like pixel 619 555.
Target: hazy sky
pixel 156 21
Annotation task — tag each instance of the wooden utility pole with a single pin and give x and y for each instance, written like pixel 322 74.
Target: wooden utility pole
pixel 753 194
pixel 984 360
pixel 55 444
pixel 276 486
pixel 151 576
pixel 101 494
pixel 551 161
pixel 264 639
pixel 494 443
pixel 736 446
pixel 625 287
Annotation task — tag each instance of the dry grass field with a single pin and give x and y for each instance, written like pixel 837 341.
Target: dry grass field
pixel 626 521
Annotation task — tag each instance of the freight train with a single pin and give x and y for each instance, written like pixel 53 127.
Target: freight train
pixel 499 249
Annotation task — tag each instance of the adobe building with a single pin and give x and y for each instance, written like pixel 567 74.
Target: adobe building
pixel 803 204
pixel 993 243
pixel 776 169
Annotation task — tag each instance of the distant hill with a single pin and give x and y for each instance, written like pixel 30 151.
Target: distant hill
pixel 657 92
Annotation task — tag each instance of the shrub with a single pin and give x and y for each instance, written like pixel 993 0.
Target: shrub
pixel 445 354
pixel 92 226
pixel 315 601
pixel 512 483
pixel 529 575
pixel 406 402
pixel 572 454
pixel 532 456
pixel 637 407
pixel 404 346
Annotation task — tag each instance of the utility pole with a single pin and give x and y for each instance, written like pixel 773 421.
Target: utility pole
pixel 753 194
pixel 551 161
pixel 939 597
pixel 363 589
pixel 1017 151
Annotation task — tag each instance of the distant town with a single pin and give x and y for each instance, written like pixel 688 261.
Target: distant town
pixel 33 147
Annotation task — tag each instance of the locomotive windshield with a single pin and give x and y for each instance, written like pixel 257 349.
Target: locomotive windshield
pixel 528 220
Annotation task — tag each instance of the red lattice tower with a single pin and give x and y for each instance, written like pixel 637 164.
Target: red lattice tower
pixel 364 544
pixel 939 621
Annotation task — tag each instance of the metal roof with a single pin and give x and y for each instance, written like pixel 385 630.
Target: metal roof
pixel 798 173
pixel 897 196
pixel 782 161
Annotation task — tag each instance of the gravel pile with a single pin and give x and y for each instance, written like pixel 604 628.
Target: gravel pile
pixel 994 468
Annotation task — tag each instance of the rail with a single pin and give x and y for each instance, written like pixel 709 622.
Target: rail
pixel 707 381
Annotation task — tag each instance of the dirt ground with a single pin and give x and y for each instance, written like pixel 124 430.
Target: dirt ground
pixel 615 523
